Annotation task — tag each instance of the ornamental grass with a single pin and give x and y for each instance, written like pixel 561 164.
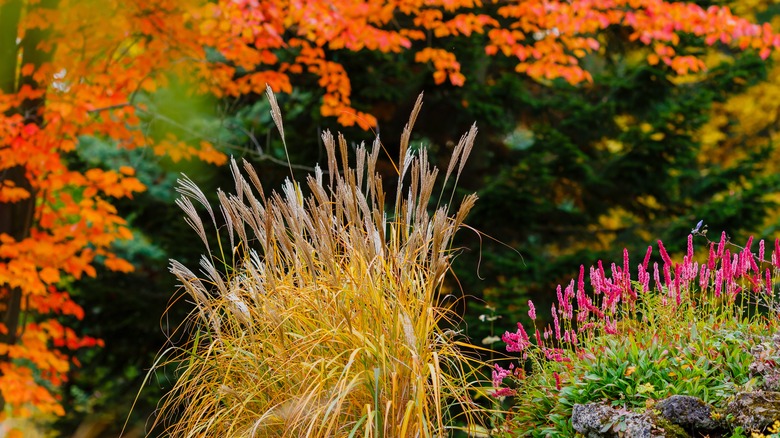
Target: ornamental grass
pixel 319 312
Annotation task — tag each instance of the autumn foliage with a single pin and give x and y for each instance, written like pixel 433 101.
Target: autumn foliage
pixel 70 69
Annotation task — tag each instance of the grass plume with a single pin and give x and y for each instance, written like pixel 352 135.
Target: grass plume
pixel 324 316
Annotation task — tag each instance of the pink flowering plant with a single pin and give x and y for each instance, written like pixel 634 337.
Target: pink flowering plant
pixel 634 334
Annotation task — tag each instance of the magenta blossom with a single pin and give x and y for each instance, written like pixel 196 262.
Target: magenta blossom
pixel 518 341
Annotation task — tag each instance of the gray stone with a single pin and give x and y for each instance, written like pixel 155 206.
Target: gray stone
pixel 599 420
pixel 591 418
pixel 754 410
pixel 766 356
pixel 688 412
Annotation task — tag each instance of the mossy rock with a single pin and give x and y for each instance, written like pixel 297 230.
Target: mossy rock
pixel 599 420
pixel 754 410
pixel 688 412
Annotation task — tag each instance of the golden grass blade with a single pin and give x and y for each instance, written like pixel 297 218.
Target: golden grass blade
pixel 407 133
pixel 189 189
pixel 276 115
pixel 193 220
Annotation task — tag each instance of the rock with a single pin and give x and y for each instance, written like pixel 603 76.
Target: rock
pixel 754 410
pixel 591 418
pixel 599 420
pixel 688 412
pixel 764 364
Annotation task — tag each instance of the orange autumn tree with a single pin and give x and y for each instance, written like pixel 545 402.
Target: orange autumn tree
pixel 73 68
pixel 268 41
pixel 70 69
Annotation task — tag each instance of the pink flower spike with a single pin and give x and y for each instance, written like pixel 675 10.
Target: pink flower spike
pixel 567 307
pixel 677 278
pixel 712 260
pixel 645 280
pixel 610 326
pixel 768 281
pixel 647 256
pixel 726 266
pixel 721 244
pixel 667 277
pixel 690 247
pixel 603 276
pixel 532 310
pixel 626 267
pixel 704 277
pixel 556 324
pixel 595 281
pixel 693 271
pixel 499 374
pixel 503 392
pixel 740 267
pixel 664 255
pixel 761 250
pixel 776 254
pixel 581 282
pixel 518 341
pixel 718 282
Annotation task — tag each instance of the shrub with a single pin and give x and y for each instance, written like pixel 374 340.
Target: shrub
pixel 322 314
pixel 630 344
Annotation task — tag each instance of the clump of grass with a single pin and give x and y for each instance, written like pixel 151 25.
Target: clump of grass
pixel 322 314
pixel 627 343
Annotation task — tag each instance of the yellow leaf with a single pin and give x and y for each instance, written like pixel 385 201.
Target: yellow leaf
pixel 614 146
pixel 624 121
pixel 645 388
